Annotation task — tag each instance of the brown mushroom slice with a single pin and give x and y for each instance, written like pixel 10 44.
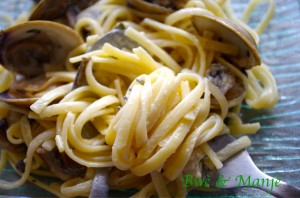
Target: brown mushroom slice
pixel 229 32
pixel 36 47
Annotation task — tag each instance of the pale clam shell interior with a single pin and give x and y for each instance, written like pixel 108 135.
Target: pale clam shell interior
pixel 231 33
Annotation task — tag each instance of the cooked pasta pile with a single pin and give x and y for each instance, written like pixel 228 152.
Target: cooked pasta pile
pixel 146 112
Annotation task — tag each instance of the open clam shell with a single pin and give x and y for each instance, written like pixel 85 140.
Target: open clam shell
pixel 34 47
pixel 49 9
pixel 19 101
pixel 155 9
pixel 53 9
pixel 229 32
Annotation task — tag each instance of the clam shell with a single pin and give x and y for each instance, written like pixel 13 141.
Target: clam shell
pixel 49 9
pixel 229 32
pixel 148 9
pixel 35 47
pixel 10 99
pixel 52 9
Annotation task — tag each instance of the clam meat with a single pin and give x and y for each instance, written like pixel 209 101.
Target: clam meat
pixel 36 47
pixel 29 50
pixel 230 85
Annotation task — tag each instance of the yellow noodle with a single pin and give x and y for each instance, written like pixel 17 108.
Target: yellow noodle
pixel 29 155
pixel 14 133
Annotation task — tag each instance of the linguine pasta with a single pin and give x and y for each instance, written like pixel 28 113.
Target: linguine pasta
pixel 153 107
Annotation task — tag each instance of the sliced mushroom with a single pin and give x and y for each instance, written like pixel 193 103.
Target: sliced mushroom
pixel 155 9
pixel 232 33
